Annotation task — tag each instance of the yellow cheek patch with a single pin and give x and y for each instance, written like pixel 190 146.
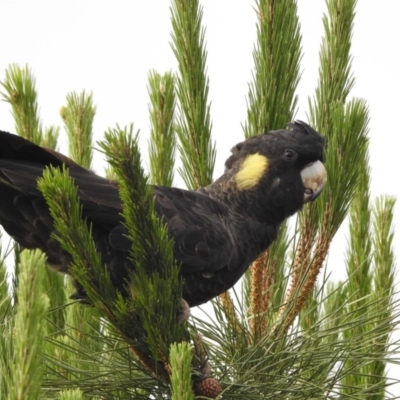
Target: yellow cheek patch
pixel 251 171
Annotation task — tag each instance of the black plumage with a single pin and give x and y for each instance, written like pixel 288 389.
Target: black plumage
pixel 218 230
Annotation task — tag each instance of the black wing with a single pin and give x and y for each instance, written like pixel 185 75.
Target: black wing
pixel 196 222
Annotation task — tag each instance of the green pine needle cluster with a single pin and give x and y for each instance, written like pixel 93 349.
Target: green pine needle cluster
pixel 193 125
pixel 19 86
pixel 22 341
pixel 272 100
pixel 162 142
pixel 78 117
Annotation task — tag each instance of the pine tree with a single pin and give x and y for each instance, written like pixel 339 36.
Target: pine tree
pixel 286 331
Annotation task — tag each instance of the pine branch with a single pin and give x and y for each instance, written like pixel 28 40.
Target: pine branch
pixel 26 369
pixel 359 285
pixel 194 122
pixel 62 198
pixel 335 76
pixel 20 92
pixel 75 237
pixel 271 99
pixel 384 294
pixel 78 117
pixel 181 363
pixel 162 135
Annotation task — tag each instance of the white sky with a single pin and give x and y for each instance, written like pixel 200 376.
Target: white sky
pixel 109 47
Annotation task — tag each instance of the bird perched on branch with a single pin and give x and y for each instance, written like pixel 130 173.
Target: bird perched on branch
pixel 218 230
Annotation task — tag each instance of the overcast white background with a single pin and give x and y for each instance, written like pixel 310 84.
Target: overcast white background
pixel 109 47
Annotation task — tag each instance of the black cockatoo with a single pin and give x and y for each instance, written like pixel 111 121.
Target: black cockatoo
pixel 218 230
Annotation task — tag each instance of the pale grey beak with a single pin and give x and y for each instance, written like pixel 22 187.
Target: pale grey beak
pixel 314 180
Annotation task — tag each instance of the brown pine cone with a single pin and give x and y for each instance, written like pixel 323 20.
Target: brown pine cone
pixel 208 387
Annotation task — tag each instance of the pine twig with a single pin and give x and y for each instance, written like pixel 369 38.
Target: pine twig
pixel 78 117
pixel 194 122
pixel 162 135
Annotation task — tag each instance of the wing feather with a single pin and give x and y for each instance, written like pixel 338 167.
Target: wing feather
pixel 194 221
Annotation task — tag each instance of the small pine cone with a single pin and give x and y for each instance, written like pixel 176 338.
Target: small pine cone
pixel 208 387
